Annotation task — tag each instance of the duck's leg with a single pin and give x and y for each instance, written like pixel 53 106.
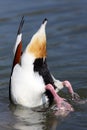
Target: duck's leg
pixel 60 85
pixel 61 102
pixel 74 95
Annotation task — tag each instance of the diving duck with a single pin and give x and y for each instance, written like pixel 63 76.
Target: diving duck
pixel 31 83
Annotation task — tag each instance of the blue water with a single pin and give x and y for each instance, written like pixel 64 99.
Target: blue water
pixel 67 58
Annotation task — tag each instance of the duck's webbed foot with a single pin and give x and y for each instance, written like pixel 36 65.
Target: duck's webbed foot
pixel 75 96
pixel 61 103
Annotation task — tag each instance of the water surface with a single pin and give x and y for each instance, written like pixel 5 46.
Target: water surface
pixel 67 58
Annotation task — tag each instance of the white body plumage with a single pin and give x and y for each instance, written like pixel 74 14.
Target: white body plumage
pixel 27 86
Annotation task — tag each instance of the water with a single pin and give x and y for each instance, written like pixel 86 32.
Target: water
pixel 67 59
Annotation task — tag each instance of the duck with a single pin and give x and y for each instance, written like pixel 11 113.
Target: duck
pixel 31 82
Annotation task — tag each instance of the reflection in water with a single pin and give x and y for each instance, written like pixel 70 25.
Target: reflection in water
pixel 28 119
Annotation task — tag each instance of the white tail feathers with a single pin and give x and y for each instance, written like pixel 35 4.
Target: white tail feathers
pixel 37 45
pixel 40 34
